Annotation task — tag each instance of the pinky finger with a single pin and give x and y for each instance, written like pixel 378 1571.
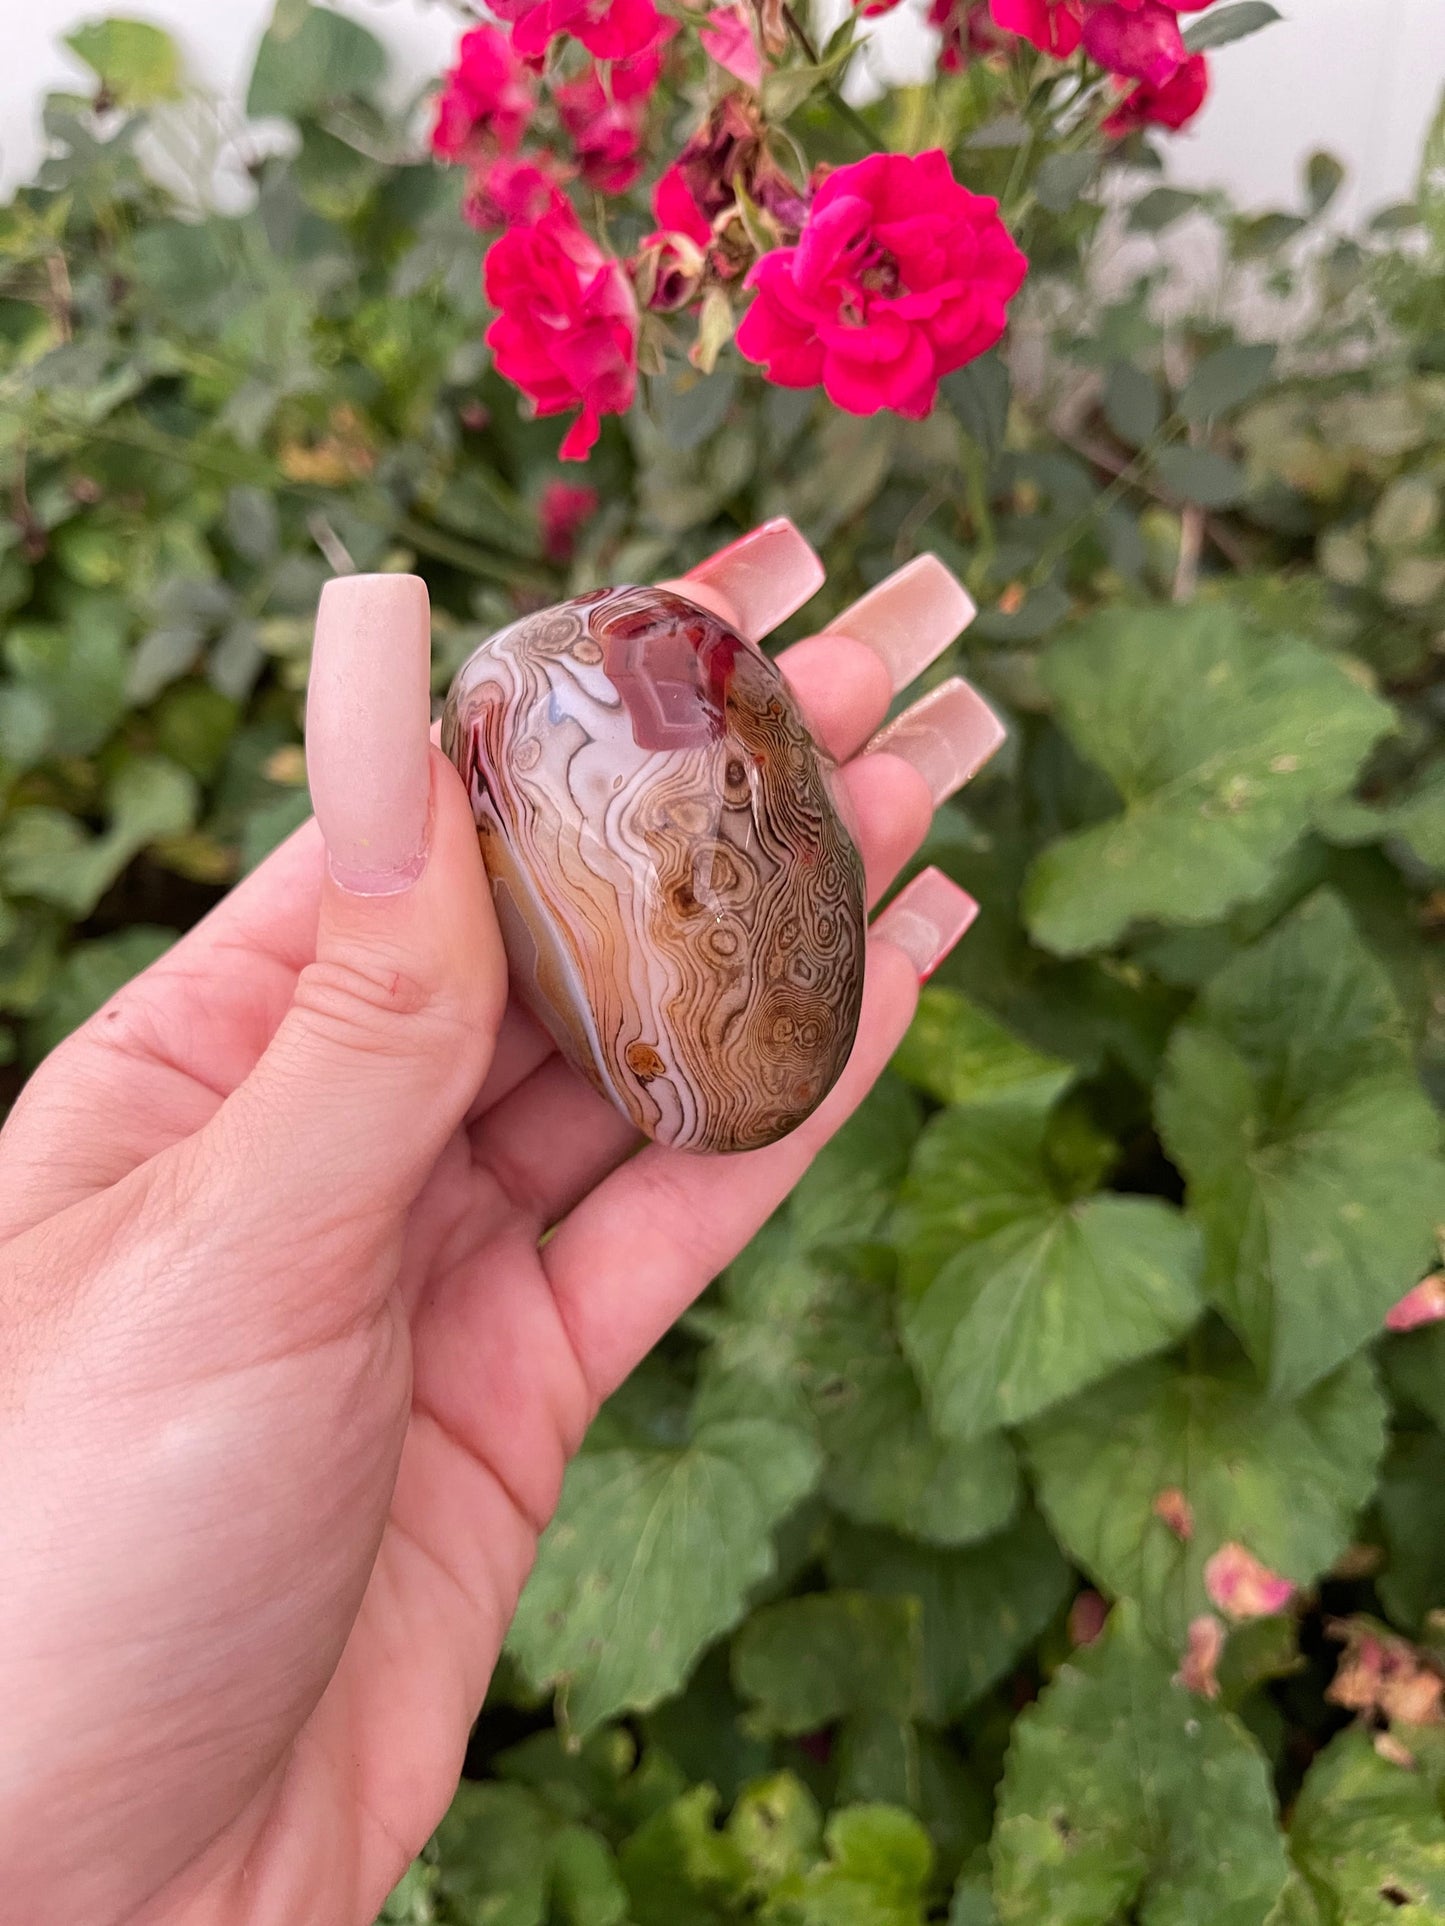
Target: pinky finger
pixel 631 1258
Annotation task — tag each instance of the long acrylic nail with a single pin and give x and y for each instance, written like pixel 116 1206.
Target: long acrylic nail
pixel 368 709
pixel 926 918
pixel 763 577
pixel 948 735
pixel 910 618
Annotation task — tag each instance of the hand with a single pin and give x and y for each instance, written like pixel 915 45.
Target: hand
pixel 286 1385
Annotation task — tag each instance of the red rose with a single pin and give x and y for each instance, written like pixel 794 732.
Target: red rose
pixel 1140 38
pixel 1172 105
pixel 606 123
pixel 512 191
pixel 608 29
pixel 676 208
pixel 566 331
pixel 487 97
pixel 563 512
pixel 899 276
pixel 727 155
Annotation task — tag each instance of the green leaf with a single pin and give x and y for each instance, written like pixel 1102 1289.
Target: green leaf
pixel 978 397
pixel 679 1865
pixel 1226 379
pixel 1021 1291
pixel 1133 406
pixel 310 59
pixel 1324 177
pixel 1414 1367
pixel 1220 742
pixel 778 1827
pixel 1369 1836
pixel 1161 207
pixel 809 1662
pixel 1290 1103
pixel 877 1874
pixel 958 1053
pixel 137 64
pixel 650 1558
pixel 1416 819
pixel 1225 24
pixel 1201 475
pixel 1411 1504
pixel 48 855
pixel 1062 178
pixel 982 1607
pixel 849 1188
pixel 502 1856
pixel 1284 1480
pixel 885 1463
pixel 1126 1796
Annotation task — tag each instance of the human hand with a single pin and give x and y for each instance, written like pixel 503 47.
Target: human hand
pixel 287 1386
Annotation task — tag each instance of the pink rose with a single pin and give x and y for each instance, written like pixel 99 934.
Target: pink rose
pixel 1242 1587
pixel 563 512
pixel 566 330
pixel 1137 38
pixel 512 191
pixel 608 29
pixel 487 97
pixel 1173 105
pixel 728 39
pixel 676 208
pixel 899 276
pixel 1424 1305
pixel 606 122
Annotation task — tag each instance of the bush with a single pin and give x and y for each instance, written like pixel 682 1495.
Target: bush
pixel 1120 1290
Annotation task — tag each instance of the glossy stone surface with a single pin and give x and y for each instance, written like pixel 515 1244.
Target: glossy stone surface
pixel 681 903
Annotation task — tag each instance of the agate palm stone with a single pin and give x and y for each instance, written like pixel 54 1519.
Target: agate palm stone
pixel 681 904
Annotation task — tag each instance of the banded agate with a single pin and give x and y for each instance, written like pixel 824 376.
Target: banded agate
pixel 681 903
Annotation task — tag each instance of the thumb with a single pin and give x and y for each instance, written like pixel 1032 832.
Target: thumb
pixel 391 1029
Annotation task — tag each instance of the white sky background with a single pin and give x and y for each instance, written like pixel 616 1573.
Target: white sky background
pixel 1359 77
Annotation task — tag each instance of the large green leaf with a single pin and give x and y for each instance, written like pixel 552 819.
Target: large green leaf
pixel 46 854
pixel 1290 1104
pixel 1020 1290
pixel 310 58
pixel 1369 1836
pixel 650 1557
pixel 1126 1796
pixel 137 63
pixel 960 1054
pixel 1220 742
pixel 1284 1480
pixel 503 1857
pixel 982 1607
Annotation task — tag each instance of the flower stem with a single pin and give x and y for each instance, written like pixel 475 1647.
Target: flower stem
pixel 845 113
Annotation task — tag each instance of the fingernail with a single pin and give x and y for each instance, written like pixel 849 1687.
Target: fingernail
pixel 948 735
pixel 763 576
pixel 910 618
pixel 925 919
pixel 368 711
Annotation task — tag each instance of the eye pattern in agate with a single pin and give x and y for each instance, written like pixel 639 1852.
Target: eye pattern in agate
pixel 681 904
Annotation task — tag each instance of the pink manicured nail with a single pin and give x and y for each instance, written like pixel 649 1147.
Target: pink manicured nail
pixel 368 710
pixel 926 918
pixel 763 576
pixel 910 618
pixel 948 735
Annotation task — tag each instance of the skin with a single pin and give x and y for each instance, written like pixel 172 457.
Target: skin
pixel 287 1387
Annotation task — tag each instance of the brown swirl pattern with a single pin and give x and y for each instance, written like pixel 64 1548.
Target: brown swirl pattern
pixel 681 904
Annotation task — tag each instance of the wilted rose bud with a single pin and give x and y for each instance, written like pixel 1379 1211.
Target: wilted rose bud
pixel 667 272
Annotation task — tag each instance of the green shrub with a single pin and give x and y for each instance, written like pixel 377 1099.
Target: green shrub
pixel 1089 1300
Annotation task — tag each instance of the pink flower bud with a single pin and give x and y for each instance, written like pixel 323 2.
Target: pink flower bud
pixel 1424 1305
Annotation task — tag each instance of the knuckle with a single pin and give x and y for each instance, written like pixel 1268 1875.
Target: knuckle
pixel 364 1001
